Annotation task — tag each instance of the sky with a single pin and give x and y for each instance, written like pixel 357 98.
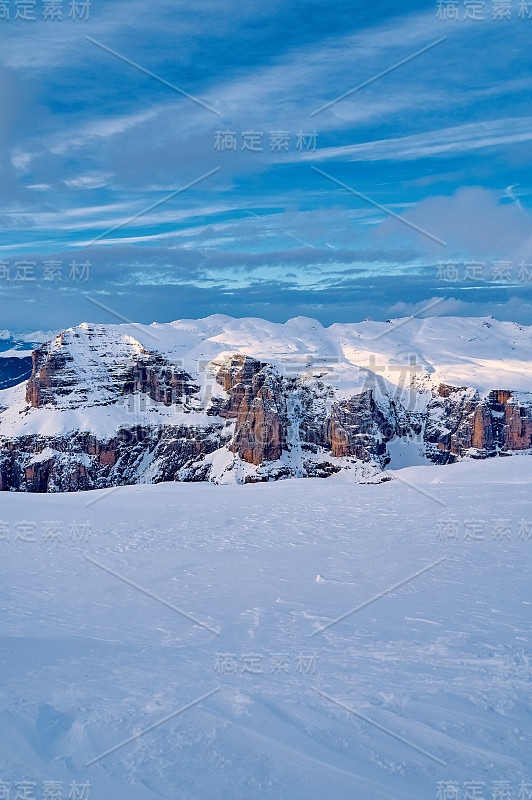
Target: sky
pixel 335 160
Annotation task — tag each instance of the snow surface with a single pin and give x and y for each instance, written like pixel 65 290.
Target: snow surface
pixel 28 338
pixel 15 353
pixel 442 662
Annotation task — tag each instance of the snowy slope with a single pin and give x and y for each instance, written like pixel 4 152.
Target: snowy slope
pixel 478 352
pixel 441 663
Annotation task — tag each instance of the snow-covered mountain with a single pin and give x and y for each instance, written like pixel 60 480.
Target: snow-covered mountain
pixel 240 400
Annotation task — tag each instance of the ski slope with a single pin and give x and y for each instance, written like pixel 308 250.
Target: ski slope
pixel 235 591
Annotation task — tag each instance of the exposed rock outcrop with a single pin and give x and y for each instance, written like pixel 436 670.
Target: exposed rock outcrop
pixel 358 427
pixel 257 402
pixel 460 422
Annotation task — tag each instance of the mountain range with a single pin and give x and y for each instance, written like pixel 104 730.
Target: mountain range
pixel 245 400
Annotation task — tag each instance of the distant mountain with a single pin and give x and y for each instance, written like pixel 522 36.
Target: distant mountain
pixel 15 356
pixel 241 400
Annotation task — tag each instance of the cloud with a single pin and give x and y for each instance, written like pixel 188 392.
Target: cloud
pixel 444 142
pixel 87 141
pixel 472 221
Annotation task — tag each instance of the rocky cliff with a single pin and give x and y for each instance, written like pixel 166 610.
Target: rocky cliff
pixel 223 400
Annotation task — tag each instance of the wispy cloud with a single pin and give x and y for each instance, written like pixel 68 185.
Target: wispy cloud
pixel 450 141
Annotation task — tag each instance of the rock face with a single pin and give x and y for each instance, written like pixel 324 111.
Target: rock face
pixel 66 464
pixel 103 409
pixel 460 421
pixel 46 367
pixel 257 402
pixel 358 427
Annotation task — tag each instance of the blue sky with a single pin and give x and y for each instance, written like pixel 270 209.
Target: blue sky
pixel 88 141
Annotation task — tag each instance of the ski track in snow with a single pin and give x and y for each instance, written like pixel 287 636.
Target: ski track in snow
pixel 87 661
